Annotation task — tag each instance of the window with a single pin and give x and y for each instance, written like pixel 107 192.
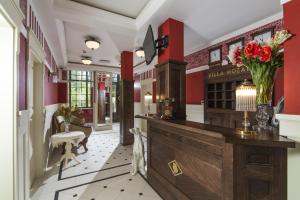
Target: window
pixel 80 89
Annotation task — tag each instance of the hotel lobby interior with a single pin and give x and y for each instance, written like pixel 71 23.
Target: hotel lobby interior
pixel 150 99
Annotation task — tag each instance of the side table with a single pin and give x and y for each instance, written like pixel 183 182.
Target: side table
pixel 70 138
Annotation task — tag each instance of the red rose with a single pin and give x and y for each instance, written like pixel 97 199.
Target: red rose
pixel 265 54
pixel 252 49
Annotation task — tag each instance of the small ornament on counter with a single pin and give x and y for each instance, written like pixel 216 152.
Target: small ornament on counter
pixel 167 108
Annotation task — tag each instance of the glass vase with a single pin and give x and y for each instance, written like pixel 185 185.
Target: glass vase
pixel 67 127
pixel 264 92
pixel 263 117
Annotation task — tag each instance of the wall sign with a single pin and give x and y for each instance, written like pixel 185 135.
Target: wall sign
pixel 227 72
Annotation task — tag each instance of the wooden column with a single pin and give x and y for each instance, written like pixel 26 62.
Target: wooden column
pixel 126 98
pixel 170 70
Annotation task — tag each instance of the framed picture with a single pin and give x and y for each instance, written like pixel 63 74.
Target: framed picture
pixel 215 55
pixel 263 36
pixel 236 43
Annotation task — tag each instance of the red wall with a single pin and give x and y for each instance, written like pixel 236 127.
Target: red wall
pixel 175 31
pixel 22 74
pixel 291 58
pixel 126 65
pixel 195 87
pixel 50 89
pixel 62 92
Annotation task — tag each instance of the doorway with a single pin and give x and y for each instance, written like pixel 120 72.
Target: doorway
pixel 36 117
pixel 8 108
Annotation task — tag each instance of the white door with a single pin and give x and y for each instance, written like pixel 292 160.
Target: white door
pixel 7 108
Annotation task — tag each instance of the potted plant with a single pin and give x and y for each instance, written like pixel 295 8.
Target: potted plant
pixel 66 112
pixel 262 60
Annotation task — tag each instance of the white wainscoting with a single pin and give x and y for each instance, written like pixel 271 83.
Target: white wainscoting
pixel 28 147
pixel 195 113
pixel 23 175
pixel 137 111
pixel 290 127
pixel 49 111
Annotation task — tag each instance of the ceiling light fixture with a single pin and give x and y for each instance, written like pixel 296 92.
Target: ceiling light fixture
pixel 140 52
pixel 92 43
pixel 86 60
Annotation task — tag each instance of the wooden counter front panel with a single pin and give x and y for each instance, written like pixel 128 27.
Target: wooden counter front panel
pixel 201 166
pixel 213 169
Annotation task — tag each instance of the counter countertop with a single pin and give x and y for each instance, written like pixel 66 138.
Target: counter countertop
pixel 263 138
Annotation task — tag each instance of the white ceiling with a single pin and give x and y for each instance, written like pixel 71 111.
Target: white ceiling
pixel 107 50
pixel 67 23
pixel 129 8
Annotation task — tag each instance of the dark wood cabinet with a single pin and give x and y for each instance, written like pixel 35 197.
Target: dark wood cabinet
pixel 126 111
pixel 171 83
pixel 220 85
pixel 215 162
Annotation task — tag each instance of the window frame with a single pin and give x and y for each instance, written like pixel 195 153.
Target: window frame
pixel 88 79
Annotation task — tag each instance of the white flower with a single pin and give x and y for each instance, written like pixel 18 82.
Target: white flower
pixel 280 37
pixel 234 56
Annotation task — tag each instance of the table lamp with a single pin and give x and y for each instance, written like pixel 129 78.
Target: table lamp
pixel 246 102
pixel 148 100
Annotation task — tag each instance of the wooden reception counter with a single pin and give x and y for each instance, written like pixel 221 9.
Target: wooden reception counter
pixel 188 160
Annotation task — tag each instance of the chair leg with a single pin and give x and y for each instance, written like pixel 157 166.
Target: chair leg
pixel 83 143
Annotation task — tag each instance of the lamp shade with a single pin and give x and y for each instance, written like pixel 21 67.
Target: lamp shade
pixel 86 60
pixel 140 52
pixel 148 98
pixel 246 97
pixel 92 44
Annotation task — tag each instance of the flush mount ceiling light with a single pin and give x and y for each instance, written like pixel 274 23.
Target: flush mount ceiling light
pixel 86 60
pixel 92 43
pixel 140 52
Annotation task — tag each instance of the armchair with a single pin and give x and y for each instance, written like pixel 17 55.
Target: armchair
pixel 77 123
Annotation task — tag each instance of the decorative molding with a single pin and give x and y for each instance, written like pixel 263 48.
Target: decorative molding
pixel 289 126
pixel 11 9
pixel 79 66
pixel 62 40
pixel 35 48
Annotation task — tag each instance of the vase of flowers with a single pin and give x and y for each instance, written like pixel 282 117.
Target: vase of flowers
pixel 262 60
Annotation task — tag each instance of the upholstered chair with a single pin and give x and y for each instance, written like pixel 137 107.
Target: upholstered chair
pixel 77 123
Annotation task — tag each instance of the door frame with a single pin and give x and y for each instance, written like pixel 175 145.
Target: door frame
pixel 13 15
pixel 35 67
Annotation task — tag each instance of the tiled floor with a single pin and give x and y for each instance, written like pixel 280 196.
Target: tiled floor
pixel 104 174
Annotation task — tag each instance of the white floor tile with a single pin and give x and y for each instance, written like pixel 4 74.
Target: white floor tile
pixel 86 182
